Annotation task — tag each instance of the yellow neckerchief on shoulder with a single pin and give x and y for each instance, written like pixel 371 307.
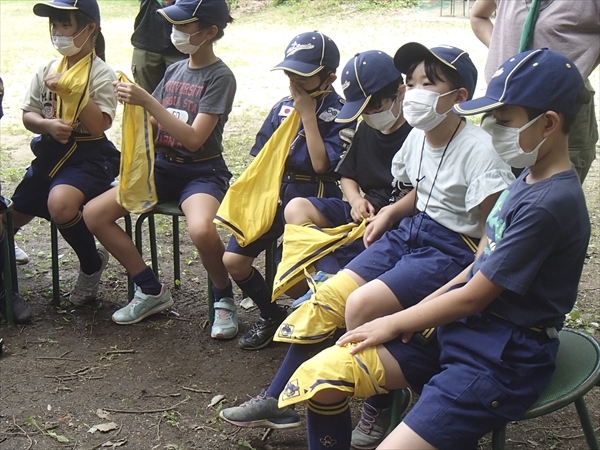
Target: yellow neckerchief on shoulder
pixel 73 88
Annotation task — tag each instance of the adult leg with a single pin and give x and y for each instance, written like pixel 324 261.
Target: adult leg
pixel 148 68
pixel 583 138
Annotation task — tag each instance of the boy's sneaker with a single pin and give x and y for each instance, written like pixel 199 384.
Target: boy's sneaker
pixel 142 306
pixel 86 286
pixel 261 411
pixel 319 278
pixel 374 423
pixel 20 256
pixel 21 309
pixel 262 332
pixel 225 325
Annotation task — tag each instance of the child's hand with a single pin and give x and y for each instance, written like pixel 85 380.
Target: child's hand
pixel 303 102
pixel 370 334
pixel 59 130
pixel 378 225
pixel 361 209
pixel 51 81
pixel 130 93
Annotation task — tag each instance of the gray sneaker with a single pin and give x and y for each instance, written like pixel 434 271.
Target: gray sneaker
pixel 225 325
pixel 374 422
pixel 142 306
pixel 86 286
pixel 261 411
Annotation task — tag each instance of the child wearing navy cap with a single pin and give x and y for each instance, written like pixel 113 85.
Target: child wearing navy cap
pixel 190 106
pixel 310 62
pixel 496 340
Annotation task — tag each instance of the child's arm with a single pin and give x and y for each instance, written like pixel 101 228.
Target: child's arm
pixel 480 20
pixel 57 128
pixel 465 301
pixel 361 207
pixel 192 137
pixel 388 216
pixel 93 120
pixel 305 105
pixel 484 209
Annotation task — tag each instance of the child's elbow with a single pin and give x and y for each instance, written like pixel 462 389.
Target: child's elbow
pixel 321 168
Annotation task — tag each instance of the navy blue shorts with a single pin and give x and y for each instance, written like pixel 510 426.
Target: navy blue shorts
pixel 335 210
pixel 414 262
pixel 473 377
pixel 31 195
pixel 175 182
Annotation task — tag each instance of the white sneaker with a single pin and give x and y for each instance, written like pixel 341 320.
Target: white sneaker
pixel 20 256
pixel 86 286
pixel 142 306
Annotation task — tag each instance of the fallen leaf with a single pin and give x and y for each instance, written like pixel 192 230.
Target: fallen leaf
pixel 216 400
pixel 115 444
pixel 102 414
pixel 104 427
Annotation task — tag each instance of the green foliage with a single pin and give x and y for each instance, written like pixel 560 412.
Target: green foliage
pixel 357 4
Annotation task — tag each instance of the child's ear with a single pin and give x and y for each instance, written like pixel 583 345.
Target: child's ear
pixel 330 79
pixel 211 32
pixel 462 95
pixel 552 122
pixel 401 92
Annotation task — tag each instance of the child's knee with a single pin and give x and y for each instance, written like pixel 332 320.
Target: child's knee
pixel 298 210
pixel 357 309
pixel 62 210
pixel 203 234
pixel 238 266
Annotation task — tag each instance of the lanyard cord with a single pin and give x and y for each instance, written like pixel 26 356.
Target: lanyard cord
pixel 419 179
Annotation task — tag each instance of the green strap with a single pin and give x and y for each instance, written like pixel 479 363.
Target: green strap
pixel 529 26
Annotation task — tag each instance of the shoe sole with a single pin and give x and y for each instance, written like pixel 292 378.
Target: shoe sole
pixel 21 262
pixel 154 310
pixel 265 423
pixel 222 337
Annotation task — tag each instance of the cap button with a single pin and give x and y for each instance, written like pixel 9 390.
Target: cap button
pixel 494 404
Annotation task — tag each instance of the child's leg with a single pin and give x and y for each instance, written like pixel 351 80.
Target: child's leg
pixel 369 302
pixel 404 438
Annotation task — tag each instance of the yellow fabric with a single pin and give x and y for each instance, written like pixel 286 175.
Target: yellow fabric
pixel 249 206
pixel 73 88
pixel 361 375
pixel 318 318
pixel 305 244
pixel 136 192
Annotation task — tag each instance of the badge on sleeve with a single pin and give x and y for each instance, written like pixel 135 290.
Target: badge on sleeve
pixel 285 110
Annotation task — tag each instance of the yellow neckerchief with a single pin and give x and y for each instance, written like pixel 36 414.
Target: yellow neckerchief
pixel 73 88
pixel 137 191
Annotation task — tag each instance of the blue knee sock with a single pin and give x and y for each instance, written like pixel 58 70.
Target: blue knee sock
pixel 80 239
pixel 256 288
pixel 222 293
pixel 381 401
pixel 147 282
pixel 328 426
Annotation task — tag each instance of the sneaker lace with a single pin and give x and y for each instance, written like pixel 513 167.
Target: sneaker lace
pixel 223 313
pixel 257 398
pixel 368 415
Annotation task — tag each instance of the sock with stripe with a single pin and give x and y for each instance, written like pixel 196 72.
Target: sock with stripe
pixel 80 239
pixel 256 288
pixel 147 282
pixel 328 426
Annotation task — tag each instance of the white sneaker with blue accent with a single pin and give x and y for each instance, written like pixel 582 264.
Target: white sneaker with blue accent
pixel 225 325
pixel 142 306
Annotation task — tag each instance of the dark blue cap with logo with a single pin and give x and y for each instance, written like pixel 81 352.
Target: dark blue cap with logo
pixel 453 57
pixel 88 7
pixel 210 12
pixel 308 53
pixel 364 75
pixel 540 79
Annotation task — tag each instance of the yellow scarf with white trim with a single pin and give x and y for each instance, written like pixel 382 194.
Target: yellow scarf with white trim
pixel 73 89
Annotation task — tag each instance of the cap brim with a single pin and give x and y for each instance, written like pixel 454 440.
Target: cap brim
pixel 351 110
pixel 175 15
pixel 299 68
pixel 45 9
pixel 477 106
pixel 413 52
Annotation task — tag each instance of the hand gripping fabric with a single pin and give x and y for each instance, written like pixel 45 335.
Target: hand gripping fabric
pixel 305 244
pixel 318 318
pixel 136 192
pixel 249 206
pixel 361 375
pixel 73 88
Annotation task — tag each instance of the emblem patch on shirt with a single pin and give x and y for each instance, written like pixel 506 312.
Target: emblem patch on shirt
pixel 329 114
pixel 285 110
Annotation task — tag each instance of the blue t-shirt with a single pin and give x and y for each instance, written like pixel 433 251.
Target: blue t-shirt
pixel 537 237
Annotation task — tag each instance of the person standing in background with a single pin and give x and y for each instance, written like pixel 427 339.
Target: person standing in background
pixel 153 51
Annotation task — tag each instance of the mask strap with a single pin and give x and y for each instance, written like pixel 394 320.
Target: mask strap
pixel 531 122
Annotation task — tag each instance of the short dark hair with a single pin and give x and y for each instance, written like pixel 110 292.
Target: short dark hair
pixel 387 91
pixel 568 121
pixel 220 32
pixel 438 71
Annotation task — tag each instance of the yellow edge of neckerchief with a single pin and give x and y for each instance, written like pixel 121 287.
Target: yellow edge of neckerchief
pixel 63 85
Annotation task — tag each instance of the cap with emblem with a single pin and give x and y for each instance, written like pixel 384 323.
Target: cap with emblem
pixel 453 57
pixel 539 79
pixel 364 75
pixel 88 7
pixel 210 12
pixel 308 53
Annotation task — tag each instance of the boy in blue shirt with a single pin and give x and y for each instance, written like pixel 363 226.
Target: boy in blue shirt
pixel 497 322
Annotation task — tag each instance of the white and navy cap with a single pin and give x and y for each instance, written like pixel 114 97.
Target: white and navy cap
pixel 210 12
pixel 453 57
pixel 308 53
pixel 540 79
pixel 88 7
pixel 364 75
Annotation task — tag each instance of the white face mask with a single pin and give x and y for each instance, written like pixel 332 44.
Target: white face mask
pixel 181 41
pixel 419 108
pixel 383 120
pixel 506 142
pixel 66 44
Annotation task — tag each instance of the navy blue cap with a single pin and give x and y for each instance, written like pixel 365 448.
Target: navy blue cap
pixel 88 7
pixel 364 75
pixel 210 12
pixel 539 79
pixel 308 53
pixel 453 57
